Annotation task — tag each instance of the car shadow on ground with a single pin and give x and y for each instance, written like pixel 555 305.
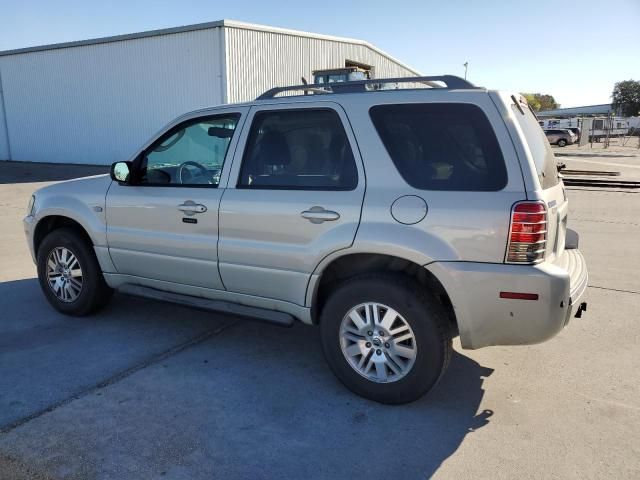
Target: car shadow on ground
pixel 33 172
pixel 254 401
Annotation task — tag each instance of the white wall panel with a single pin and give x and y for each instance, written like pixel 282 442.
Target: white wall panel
pixel 98 103
pixel 4 140
pixel 260 59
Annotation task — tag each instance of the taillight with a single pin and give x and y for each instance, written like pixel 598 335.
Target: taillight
pixel 528 233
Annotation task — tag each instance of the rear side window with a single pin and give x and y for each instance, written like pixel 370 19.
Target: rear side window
pixel 441 146
pixel 305 149
pixel 543 157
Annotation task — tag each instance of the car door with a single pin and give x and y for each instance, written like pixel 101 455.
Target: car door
pixel 294 195
pixel 164 225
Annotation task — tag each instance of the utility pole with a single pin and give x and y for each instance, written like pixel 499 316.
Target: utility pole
pixel 465 65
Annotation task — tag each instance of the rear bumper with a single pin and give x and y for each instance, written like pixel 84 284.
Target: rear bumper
pixel 485 319
pixel 573 263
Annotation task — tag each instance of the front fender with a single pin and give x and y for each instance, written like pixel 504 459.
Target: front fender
pixel 82 201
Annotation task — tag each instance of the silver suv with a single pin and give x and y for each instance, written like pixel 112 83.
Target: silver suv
pixel 393 219
pixel 561 136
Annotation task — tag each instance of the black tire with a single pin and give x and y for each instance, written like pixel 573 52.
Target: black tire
pixel 94 294
pixel 420 310
pixel 562 142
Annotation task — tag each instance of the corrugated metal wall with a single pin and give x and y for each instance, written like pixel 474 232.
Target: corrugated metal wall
pixel 4 141
pixel 98 103
pixel 259 60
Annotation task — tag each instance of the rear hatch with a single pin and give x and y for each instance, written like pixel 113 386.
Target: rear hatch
pixel 552 191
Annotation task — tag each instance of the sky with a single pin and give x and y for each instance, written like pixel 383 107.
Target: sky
pixel 574 50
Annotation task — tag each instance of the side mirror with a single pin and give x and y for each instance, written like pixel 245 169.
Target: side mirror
pixel 120 172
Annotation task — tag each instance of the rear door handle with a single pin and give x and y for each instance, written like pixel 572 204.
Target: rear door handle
pixel 190 207
pixel 319 214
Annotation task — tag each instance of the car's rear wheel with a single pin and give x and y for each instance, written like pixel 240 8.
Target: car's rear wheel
pixel 385 337
pixel 69 274
pixel 562 142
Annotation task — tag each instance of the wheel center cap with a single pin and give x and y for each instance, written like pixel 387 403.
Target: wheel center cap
pixel 377 342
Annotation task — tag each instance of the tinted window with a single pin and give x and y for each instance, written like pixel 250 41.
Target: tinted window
pixel 298 149
pixel 440 146
pixel 190 154
pixel 543 157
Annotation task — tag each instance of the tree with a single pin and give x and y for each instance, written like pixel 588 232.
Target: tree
pixel 532 101
pixel 541 102
pixel 626 98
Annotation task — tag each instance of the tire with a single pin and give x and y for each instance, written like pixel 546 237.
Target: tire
pixel 562 142
pixel 93 293
pixel 417 308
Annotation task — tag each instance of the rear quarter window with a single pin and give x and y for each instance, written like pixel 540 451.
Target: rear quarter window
pixel 543 157
pixel 441 146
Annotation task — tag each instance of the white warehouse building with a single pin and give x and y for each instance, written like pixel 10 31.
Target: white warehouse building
pixel 96 101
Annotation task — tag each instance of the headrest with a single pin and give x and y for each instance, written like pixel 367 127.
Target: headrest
pixel 274 149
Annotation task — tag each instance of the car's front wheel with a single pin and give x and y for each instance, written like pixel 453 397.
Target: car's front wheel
pixel 562 142
pixel 385 337
pixel 69 274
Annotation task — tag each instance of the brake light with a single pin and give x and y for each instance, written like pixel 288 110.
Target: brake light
pixel 528 233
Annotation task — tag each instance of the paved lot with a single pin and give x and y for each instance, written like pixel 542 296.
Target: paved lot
pixel 145 390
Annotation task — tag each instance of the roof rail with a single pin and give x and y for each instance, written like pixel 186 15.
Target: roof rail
pixel 450 81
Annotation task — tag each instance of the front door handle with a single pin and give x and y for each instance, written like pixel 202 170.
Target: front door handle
pixel 319 214
pixel 191 208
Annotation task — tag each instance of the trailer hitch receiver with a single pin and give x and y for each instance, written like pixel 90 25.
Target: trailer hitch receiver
pixel 581 308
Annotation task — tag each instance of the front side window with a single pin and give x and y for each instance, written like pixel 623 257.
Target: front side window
pixel 305 149
pixel 191 154
pixel 441 146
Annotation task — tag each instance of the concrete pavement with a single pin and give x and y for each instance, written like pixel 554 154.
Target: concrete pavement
pixel 147 390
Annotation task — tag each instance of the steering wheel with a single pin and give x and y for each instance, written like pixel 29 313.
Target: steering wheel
pixel 183 168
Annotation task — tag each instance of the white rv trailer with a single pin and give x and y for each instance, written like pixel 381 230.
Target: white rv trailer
pixel 601 127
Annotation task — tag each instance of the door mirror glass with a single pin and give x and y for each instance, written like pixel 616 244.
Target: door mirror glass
pixel 120 172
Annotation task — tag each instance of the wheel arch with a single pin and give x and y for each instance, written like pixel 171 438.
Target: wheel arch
pixel 49 223
pixel 353 264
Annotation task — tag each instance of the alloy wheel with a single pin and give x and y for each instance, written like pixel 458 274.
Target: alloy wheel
pixel 64 274
pixel 378 342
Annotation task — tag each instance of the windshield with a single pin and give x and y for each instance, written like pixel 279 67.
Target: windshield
pixel 543 156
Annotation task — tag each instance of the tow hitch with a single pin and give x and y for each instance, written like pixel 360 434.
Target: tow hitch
pixel 581 308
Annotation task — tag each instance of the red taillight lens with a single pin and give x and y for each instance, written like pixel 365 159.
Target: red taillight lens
pixel 528 227
pixel 528 217
pixel 528 233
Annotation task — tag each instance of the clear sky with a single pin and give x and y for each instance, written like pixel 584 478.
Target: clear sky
pixel 574 50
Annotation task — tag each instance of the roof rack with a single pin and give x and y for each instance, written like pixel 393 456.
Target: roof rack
pixel 450 81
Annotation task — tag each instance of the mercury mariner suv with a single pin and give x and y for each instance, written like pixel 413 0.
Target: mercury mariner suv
pixel 394 214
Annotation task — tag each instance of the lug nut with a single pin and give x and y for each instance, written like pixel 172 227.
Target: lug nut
pixel 369 333
pixel 378 352
pixel 368 344
pixel 381 333
pixel 386 345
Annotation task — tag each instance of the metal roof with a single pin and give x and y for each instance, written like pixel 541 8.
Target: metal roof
pixel 602 109
pixel 203 26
